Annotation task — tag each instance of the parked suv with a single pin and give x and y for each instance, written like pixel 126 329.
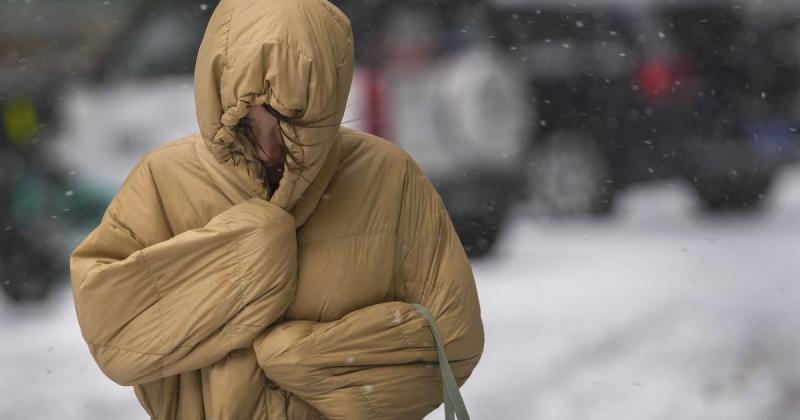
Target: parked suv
pixel 634 91
pixel 429 80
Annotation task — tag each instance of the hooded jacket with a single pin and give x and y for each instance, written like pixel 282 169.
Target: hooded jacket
pixel 217 298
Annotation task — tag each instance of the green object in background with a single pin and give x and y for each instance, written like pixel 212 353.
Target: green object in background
pixel 50 214
pixel 87 204
pixel 29 199
pixel 20 121
pixel 36 197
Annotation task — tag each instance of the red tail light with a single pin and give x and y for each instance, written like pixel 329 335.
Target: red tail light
pixel 664 79
pixel 376 102
pixel 655 80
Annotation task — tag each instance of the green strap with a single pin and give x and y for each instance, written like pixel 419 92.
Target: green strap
pixel 453 403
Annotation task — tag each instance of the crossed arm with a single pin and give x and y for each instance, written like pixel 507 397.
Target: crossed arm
pixel 379 362
pixel 153 311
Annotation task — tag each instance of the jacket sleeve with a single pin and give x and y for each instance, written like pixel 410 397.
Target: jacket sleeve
pixel 380 361
pixel 152 310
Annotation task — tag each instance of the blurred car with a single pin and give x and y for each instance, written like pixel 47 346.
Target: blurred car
pixel 428 80
pixel 44 213
pixel 628 92
pixel 42 43
pixel 456 105
pixel 139 95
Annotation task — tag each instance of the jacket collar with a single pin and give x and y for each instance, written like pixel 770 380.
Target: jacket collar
pixel 237 185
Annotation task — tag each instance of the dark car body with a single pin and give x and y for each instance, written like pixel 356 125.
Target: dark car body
pixel 699 90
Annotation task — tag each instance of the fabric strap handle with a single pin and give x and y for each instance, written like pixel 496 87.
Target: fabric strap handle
pixel 453 403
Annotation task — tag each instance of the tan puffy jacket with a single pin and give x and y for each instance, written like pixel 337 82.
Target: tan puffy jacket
pixel 219 299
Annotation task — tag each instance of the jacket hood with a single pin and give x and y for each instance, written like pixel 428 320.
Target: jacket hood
pixel 296 56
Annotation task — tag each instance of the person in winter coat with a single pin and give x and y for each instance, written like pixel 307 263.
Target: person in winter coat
pixel 222 287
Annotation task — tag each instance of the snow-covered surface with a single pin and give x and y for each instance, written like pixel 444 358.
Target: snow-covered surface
pixel 659 312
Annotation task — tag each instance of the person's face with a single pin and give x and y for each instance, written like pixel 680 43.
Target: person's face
pixel 267 136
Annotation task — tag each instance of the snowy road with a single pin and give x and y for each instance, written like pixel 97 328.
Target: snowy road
pixel 659 312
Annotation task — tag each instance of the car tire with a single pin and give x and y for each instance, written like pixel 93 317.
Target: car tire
pixel 735 192
pixel 478 226
pixel 25 271
pixel 30 289
pixel 568 174
pixel 24 282
pixel 478 234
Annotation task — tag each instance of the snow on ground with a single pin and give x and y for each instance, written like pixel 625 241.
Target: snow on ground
pixel 658 312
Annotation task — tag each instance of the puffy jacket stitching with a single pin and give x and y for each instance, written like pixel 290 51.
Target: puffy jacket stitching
pixel 352 235
pixel 325 328
pixel 238 278
pixel 396 273
pixel 470 308
pixel 158 198
pixel 441 226
pixel 415 241
pixel 247 325
pixel 112 347
pixel 369 402
pixel 263 362
pixel 404 338
pixel 202 167
pixel 228 34
pixel 159 309
pixel 276 41
pixel 114 224
pixel 350 384
pixel 279 42
pixel 436 226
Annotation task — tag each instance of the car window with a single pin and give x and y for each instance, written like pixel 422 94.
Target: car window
pixel 47 41
pixel 715 36
pixel 165 43
pixel 541 25
pixel 557 42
